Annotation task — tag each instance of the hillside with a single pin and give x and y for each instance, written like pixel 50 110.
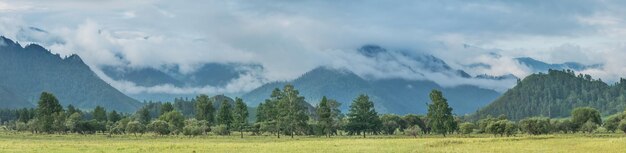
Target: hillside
pixel 9 100
pixel 555 94
pixel 389 95
pixel 28 71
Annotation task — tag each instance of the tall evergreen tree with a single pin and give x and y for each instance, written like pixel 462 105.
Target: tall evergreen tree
pixel 267 112
pixel 440 114
pixel 166 107
pixel 224 115
pixel 114 116
pixel 240 115
pixel 362 116
pixel 71 109
pixel 204 109
pixel 292 111
pixel 325 116
pixel 99 114
pixel 143 115
pixel 47 107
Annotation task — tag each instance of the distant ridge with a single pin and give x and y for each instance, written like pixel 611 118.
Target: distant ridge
pixel 28 71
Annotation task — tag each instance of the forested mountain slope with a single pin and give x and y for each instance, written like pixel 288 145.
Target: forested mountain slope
pixel 28 71
pixel 555 94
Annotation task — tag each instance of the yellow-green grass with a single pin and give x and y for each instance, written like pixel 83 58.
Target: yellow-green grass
pixel 26 142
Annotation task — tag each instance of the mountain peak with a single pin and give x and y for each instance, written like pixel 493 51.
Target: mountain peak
pixel 74 59
pixel 371 50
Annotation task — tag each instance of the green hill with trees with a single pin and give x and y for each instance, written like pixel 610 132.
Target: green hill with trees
pixel 555 94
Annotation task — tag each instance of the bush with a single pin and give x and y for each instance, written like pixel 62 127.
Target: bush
pixel 510 129
pixel 466 128
pixel 582 115
pixel 193 128
pixel 589 127
pixel 135 127
pixel 413 131
pixel 220 129
pixel 160 127
pixel 611 123
pixel 622 126
pixel 535 125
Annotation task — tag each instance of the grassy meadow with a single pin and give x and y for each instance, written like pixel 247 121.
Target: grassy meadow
pixel 55 143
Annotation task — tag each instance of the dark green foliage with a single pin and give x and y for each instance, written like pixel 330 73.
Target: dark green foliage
pixel 267 113
pixel 440 114
pixel 413 120
pixel 363 117
pixel 99 114
pixel 324 113
pixel 225 115
pixel 391 123
pixel 143 115
pixel 622 126
pixel 292 112
pixel 583 115
pixel 28 71
pixel 240 115
pixel 502 127
pixel 166 108
pixel 71 109
pixel 611 123
pixel 204 109
pixel 556 94
pixel 114 116
pixel 589 126
pixel 175 119
pixel 564 126
pixel 47 107
pixel 535 125
pixel 160 127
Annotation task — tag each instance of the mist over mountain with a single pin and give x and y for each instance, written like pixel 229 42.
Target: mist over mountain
pixel 389 95
pixel 539 66
pixel 213 75
pixel 28 71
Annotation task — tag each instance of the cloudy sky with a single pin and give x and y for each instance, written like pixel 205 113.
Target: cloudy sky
pixel 291 37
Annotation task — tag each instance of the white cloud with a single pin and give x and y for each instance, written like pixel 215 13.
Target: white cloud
pixel 291 37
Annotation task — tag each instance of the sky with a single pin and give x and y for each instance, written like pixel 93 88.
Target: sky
pixel 289 38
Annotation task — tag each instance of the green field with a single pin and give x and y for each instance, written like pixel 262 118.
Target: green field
pixel 25 142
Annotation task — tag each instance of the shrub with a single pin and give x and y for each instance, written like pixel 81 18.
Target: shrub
pixel 535 125
pixel 220 130
pixel 413 131
pixel 466 128
pixel 622 126
pixel 160 127
pixel 589 127
pixel 135 127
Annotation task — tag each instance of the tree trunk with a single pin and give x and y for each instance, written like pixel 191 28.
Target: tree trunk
pixel 241 133
pixel 363 134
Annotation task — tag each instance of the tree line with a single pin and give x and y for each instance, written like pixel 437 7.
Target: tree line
pixel 285 113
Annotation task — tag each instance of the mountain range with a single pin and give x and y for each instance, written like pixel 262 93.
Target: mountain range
pixel 28 71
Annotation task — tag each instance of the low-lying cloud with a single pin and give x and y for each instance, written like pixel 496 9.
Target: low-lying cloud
pixel 291 37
